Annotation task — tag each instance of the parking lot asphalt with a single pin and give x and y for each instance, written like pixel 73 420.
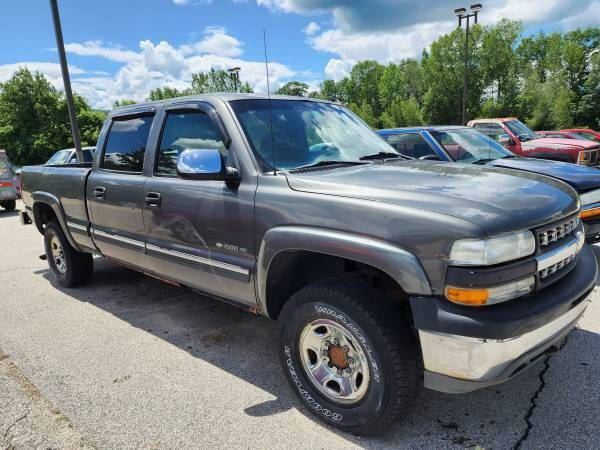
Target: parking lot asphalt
pixel 128 361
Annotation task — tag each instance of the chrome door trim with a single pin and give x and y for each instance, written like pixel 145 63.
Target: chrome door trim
pixel 198 259
pixel 76 226
pixel 119 238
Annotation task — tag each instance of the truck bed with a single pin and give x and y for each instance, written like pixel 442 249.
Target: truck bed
pixel 63 184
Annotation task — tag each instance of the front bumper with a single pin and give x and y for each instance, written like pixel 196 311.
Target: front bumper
pixel 466 349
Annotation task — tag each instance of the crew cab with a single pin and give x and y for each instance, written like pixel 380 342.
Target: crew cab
pixel 380 269
pixel 468 146
pixel 8 189
pixel 519 139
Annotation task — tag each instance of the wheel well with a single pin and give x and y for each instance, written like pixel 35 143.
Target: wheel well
pixel 290 271
pixel 42 213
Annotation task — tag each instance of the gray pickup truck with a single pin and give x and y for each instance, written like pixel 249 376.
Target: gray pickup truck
pixel 384 273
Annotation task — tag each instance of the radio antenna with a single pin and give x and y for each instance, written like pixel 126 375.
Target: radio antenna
pixel 269 96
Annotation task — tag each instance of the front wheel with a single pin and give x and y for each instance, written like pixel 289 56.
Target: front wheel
pixel 349 355
pixel 70 267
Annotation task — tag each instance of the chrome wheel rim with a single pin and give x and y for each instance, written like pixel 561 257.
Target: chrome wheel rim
pixel 58 256
pixel 335 362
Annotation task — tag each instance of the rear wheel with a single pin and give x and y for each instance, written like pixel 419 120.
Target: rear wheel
pixel 349 355
pixel 9 205
pixel 71 268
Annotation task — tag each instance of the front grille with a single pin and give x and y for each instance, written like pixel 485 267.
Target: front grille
pixel 556 267
pixel 557 232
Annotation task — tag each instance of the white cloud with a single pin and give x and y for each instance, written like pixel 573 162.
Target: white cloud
pixel 216 41
pixel 311 29
pixel 50 70
pixel 97 48
pixel 336 69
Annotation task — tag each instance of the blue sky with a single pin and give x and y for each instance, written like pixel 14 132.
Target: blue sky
pixel 122 49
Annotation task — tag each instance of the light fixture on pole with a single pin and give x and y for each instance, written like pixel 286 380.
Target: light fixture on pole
pixel 461 13
pixel 235 75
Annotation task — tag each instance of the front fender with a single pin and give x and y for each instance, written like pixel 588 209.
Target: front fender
pixel 401 265
pixel 54 203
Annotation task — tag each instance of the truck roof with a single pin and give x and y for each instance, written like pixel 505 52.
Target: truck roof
pixel 223 96
pixel 387 131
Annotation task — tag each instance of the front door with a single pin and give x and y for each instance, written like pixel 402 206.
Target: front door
pixel 115 191
pixel 199 232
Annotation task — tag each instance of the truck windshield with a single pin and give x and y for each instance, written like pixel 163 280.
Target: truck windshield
pixel 470 146
pixel 305 133
pixel 522 131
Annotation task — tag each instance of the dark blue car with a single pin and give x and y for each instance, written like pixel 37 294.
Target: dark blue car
pixel 469 146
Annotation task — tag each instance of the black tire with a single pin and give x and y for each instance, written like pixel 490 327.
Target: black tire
pixel 386 337
pixel 77 267
pixel 9 205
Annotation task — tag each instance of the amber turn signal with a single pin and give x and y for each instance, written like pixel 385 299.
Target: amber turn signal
pixel 471 297
pixel 587 213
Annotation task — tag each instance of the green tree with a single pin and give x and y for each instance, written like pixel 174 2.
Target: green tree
pixel 216 81
pixel 123 102
pixel 166 92
pixel 296 88
pixel 34 121
pixel 334 91
pixel 363 89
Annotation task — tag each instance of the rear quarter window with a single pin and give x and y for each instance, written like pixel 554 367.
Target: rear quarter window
pixel 126 144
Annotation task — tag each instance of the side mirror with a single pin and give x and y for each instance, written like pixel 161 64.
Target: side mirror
pixel 204 164
pixel 505 139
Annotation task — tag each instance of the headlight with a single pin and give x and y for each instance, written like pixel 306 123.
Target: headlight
pixel 490 296
pixel 589 200
pixel 496 250
pixel 584 158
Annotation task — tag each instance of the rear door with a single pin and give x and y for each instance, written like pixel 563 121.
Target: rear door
pixel 115 189
pixel 199 232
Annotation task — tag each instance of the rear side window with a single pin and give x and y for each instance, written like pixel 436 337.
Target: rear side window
pixel 187 130
pixel 126 144
pixel 410 144
pixel 492 130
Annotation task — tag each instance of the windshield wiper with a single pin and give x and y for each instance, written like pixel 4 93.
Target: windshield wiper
pixel 484 160
pixel 508 156
pixel 329 163
pixel 384 155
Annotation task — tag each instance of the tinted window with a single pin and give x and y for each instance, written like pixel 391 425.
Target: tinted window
pixel 183 131
pixel 59 157
pixel 410 144
pixel 87 157
pixel 126 144
pixel 469 146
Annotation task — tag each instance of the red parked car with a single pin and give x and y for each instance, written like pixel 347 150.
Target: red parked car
pixel 560 134
pixel 584 133
pixel 519 139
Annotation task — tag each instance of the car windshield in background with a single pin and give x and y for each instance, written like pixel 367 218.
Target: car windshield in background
pixel 469 146
pixel 59 157
pixel 522 131
pixel 306 133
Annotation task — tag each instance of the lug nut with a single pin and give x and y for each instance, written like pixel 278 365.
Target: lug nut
pixel 329 364
pixel 348 370
pixel 350 360
pixel 336 341
pixel 346 348
pixel 325 353
pixel 327 344
pixel 340 372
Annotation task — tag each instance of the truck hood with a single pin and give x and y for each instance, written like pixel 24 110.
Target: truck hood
pixel 579 177
pixel 498 200
pixel 559 143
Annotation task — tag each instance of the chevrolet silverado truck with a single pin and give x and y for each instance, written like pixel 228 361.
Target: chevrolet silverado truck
pixel 522 141
pixel 468 146
pixel 384 273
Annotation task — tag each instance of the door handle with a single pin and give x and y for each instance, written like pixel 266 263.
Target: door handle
pixel 153 199
pixel 100 192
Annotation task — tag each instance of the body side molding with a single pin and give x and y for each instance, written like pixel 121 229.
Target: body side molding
pixel 401 265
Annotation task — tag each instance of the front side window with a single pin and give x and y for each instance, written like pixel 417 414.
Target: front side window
pixel 188 130
pixel 305 133
pixel 410 144
pixel 59 157
pixel 492 130
pixel 470 146
pixel 519 129
pixel 126 144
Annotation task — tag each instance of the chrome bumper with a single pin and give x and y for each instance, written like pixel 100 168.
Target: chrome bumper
pixel 457 364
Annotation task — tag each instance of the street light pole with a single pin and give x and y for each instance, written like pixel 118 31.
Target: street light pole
pixel 235 74
pixel 66 80
pixel 461 13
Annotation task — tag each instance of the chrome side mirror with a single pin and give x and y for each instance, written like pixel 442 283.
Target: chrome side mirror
pixel 204 164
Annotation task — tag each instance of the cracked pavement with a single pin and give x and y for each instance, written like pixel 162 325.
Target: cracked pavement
pixel 128 361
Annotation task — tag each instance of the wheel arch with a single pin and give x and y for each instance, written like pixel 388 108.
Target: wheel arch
pixel 328 253
pixel 47 207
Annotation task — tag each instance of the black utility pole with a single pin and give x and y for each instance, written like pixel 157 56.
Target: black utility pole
pixel 66 79
pixel 461 13
pixel 235 75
